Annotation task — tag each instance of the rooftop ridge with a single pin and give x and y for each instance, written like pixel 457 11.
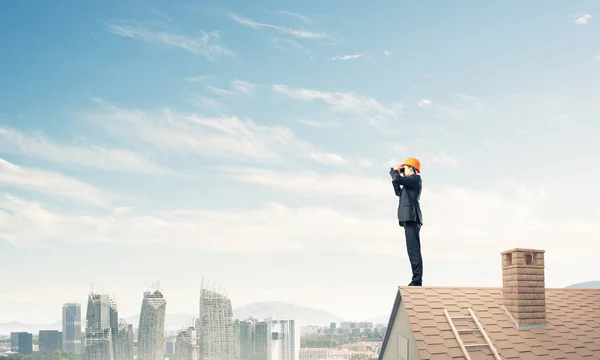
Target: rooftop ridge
pixel 485 287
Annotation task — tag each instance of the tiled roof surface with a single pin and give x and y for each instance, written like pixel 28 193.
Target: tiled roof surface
pixel 573 330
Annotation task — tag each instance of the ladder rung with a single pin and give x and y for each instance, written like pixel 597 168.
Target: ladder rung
pixel 464 347
pixel 467 330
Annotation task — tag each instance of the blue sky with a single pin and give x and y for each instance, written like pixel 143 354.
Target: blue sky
pixel 249 143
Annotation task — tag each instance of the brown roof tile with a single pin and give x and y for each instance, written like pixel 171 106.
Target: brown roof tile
pixel 573 330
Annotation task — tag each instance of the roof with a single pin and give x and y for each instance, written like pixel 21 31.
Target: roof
pixel 573 330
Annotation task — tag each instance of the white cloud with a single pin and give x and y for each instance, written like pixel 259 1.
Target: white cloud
pixel 444 159
pixel 243 86
pixel 387 53
pixel 218 91
pixel 199 78
pixel 288 45
pixel 479 224
pixel 205 45
pixel 226 137
pixel 24 222
pixel 208 103
pixel 40 146
pixel 425 102
pixel 598 57
pixel 215 90
pixel 328 158
pixel 52 183
pixel 337 159
pixel 347 57
pixel 364 162
pixel 300 33
pixel 304 18
pixel 368 109
pixel 469 98
pixel 311 183
pixel 459 223
pixel 584 19
pixel 320 124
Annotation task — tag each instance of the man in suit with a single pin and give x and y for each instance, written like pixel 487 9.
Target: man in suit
pixel 406 180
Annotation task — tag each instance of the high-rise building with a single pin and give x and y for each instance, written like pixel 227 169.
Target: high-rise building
pixel 247 342
pixel 98 345
pixel 97 316
pixel 50 341
pixel 216 335
pixel 262 334
pixel 284 341
pixel 269 340
pixel 151 330
pixel 71 328
pixel 100 315
pixel 21 342
pixel 186 345
pixel 123 341
pixel 14 341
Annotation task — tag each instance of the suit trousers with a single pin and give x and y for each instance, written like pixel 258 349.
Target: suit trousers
pixel 413 246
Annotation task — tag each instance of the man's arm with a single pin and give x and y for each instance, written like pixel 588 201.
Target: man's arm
pixel 395 175
pixel 408 181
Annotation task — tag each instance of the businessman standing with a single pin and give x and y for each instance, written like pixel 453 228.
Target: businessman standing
pixel 406 180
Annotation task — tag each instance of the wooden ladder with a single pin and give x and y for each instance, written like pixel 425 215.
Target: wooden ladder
pixel 465 347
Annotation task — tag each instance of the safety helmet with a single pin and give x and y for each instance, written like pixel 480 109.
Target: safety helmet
pixel 414 163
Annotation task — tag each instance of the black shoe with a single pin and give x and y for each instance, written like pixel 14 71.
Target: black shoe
pixel 415 284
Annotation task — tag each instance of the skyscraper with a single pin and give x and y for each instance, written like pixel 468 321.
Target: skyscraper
pixel 71 328
pixel 100 321
pixel 262 335
pixel 151 331
pixel 269 340
pixel 247 341
pixel 123 341
pixel 113 315
pixel 97 316
pixel 98 345
pixel 284 340
pixel 21 342
pixel 50 341
pixel 216 338
pixel 186 345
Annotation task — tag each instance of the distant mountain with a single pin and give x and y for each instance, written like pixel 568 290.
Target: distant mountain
pixel 586 285
pixel 280 310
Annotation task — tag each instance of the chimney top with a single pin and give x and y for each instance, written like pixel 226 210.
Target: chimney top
pixel 524 286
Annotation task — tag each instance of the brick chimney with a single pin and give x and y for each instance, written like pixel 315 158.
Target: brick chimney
pixel 523 285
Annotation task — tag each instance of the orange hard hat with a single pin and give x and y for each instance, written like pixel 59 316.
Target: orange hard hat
pixel 414 163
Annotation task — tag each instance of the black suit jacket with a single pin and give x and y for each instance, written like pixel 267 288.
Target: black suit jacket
pixel 408 189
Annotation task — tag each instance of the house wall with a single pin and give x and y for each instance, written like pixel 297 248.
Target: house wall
pixel 401 334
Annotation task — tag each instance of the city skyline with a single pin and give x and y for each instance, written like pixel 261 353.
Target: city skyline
pixel 101 302
pixel 251 144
